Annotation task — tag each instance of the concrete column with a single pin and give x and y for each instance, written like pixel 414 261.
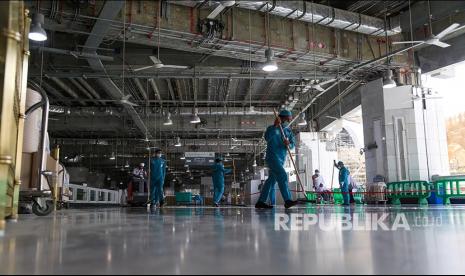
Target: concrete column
pixel 404 140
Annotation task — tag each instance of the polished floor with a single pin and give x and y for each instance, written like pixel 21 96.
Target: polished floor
pixel 233 240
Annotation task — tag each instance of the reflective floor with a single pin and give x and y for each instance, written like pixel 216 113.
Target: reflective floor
pixel 238 240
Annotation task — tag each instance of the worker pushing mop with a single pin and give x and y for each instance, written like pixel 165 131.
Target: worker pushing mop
pixel 276 152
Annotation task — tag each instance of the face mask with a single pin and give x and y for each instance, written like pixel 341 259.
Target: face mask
pixel 285 124
pixel 159 155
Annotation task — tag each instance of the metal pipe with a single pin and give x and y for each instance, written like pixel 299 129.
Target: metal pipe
pixel 73 53
pixel 184 75
pixel 43 129
pixel 321 14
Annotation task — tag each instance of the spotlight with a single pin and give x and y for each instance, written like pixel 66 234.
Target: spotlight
pixel 37 33
pixel 270 64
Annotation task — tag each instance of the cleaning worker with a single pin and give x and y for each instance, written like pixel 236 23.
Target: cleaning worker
pixel 138 178
pixel 343 181
pixel 157 179
pixel 218 180
pixel 276 153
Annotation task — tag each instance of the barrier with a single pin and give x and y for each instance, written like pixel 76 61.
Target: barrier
pixel 448 188
pixel 88 195
pixel 359 196
pixel 337 196
pixel 420 190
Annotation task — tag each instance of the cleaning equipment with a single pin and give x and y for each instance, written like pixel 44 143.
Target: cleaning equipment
pixel 292 160
pixel 332 177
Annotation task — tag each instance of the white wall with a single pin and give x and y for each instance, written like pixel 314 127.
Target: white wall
pixel 316 156
pixel 387 105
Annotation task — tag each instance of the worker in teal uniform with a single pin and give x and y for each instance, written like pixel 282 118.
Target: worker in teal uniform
pixel 218 180
pixel 157 179
pixel 276 153
pixel 343 181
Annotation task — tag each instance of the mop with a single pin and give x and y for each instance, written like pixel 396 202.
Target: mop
pixel 292 161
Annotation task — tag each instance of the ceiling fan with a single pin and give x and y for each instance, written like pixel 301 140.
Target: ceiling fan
pixel 313 84
pixel 158 64
pixel 125 100
pixel 350 119
pixel 435 39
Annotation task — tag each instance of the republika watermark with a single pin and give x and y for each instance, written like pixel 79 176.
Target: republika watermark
pixel 348 222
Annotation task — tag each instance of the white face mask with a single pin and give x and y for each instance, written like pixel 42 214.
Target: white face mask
pixel 159 155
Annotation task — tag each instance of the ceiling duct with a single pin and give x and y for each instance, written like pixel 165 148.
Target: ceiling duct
pixel 322 15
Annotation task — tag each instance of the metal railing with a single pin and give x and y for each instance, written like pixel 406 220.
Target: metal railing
pixel 89 195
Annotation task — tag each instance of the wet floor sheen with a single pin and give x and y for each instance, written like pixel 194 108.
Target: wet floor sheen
pixel 237 240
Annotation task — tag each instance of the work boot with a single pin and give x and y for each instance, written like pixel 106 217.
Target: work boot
pixel 162 202
pixel 263 205
pixel 289 203
pixel 216 205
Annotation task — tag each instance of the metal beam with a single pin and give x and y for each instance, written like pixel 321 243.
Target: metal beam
pixel 67 89
pixel 81 88
pixel 155 89
pixel 141 89
pixel 282 75
pixel 100 29
pixel 89 88
pixel 170 89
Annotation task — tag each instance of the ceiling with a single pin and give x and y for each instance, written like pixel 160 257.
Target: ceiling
pixel 223 78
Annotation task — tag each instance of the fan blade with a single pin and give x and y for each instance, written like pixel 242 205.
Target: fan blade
pixel 447 30
pixel 143 68
pixel 405 42
pixel 216 11
pixel 440 44
pixel 128 103
pixel 327 81
pixel 154 59
pixel 318 87
pixel 176 66
pixel 126 97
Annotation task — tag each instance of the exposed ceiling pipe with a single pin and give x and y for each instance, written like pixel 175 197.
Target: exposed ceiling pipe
pixel 141 89
pixel 183 111
pixel 156 90
pixel 89 88
pixel 81 88
pixel 101 27
pixel 67 89
pixel 322 15
pixel 73 53
pixel 190 75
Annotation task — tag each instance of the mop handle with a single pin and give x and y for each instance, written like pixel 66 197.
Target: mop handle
pixel 290 154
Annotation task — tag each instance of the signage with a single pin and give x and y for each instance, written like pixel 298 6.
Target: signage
pixel 200 158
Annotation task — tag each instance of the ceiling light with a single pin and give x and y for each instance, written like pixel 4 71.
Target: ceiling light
pixel 195 119
pixel 183 157
pixel 178 142
pixel 227 154
pixel 254 163
pixel 168 121
pixel 37 32
pixel 302 121
pixel 388 82
pixel 127 164
pixel 270 64
pixel 112 157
